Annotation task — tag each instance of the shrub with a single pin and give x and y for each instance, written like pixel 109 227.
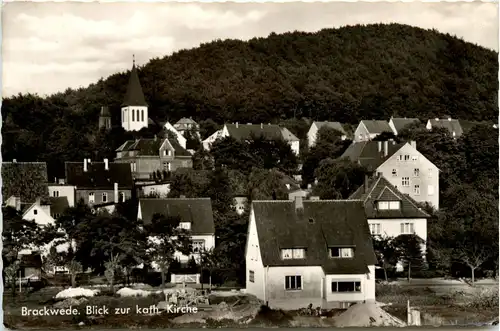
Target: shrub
pixel 484 298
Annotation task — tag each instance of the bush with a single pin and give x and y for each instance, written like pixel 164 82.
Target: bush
pixel 484 298
pixel 270 317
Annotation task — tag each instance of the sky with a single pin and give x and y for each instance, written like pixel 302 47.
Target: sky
pixel 49 47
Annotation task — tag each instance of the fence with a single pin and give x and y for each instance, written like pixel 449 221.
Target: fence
pixel 193 278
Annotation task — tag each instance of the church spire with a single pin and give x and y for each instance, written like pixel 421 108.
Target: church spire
pixel 134 95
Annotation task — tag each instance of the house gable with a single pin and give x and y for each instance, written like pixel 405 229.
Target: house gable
pixel 38 213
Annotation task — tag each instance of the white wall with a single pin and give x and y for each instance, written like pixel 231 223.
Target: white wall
pixel 161 189
pixel 428 175
pixel 136 124
pixel 392 227
pixel 253 261
pixel 295 146
pixel 209 244
pixel 393 127
pixel 67 191
pixel 39 214
pixel 361 133
pixel 312 135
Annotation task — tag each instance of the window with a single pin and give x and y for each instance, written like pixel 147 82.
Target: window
pixel 293 253
pixel 251 276
pixel 407 157
pixel 185 225
pixel 416 189
pixel 166 166
pixel 133 115
pixel 429 173
pixel 430 190
pixel 133 166
pixel 137 115
pixel 383 205
pixel 105 197
pixel 405 181
pixel 35 212
pixel 293 283
pixel 394 205
pixel 142 115
pixel 400 157
pixel 407 228
pixel 341 252
pixel 55 194
pixel 351 286
pixel 375 228
pixel 414 157
pixel 91 197
pixel 198 245
pixel 416 172
pixel 121 196
pixel 394 172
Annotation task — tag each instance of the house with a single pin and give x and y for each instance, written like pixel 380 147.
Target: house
pixel 389 212
pixel 367 130
pixel 305 252
pixel 402 165
pixel 314 129
pixel 147 156
pixel 453 126
pixel 195 214
pixel 100 182
pixel 185 124
pixel 60 189
pixel 134 111
pixel 180 138
pixel 247 132
pixel 40 213
pixel 398 124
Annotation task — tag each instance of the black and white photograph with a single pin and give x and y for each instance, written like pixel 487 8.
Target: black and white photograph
pixel 249 165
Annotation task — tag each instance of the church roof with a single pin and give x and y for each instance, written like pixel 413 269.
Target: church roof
pixel 134 95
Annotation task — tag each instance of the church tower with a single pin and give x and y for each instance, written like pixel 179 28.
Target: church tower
pixel 105 118
pixel 134 107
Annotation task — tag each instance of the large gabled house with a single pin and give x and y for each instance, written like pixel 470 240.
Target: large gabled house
pixel 312 134
pixel 98 183
pixel 369 129
pixel 247 132
pixel 195 215
pixel 305 252
pixel 402 165
pixel 147 156
pixel 399 124
pixel 389 212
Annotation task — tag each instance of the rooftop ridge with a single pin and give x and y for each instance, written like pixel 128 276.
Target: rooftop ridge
pixel 174 199
pixel 307 200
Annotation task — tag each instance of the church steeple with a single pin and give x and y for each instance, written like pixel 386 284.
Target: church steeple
pixel 134 95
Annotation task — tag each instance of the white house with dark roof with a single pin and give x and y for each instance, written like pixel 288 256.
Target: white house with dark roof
pixel 402 165
pixel 247 132
pixel 391 213
pixel 195 215
pixel 398 124
pixel 369 129
pixel 312 134
pixel 305 252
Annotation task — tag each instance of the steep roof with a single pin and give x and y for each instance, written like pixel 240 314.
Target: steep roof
pixel 449 124
pixel 367 153
pixel 185 120
pixel 58 205
pixel 288 135
pixel 332 125
pixel 401 123
pixel 248 131
pixel 198 211
pixel 27 180
pixel 334 223
pixel 134 95
pixel 376 126
pixel 379 189
pixel 97 177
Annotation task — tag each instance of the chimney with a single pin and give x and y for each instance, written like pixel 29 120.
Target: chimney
pixel 61 181
pixel 90 161
pixel 38 201
pixel 182 196
pixel 116 190
pixel 17 203
pixel 106 164
pixel 55 180
pixel 449 118
pixel 261 126
pixel 379 143
pixel 299 203
pixel 365 184
pixel 155 138
pixel 84 165
pixel 236 125
pixel 413 144
pixel 386 148
pixel 14 161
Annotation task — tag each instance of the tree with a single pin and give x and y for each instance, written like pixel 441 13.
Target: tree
pixel 409 252
pixel 111 266
pixel 338 179
pixel 166 238
pixel 192 139
pixel 387 253
pixel 473 255
pixel 11 274
pixel 74 268
pixel 219 190
pixel 202 160
pixel 263 184
pixel 211 260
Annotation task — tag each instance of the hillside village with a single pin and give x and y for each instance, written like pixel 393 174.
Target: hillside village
pixel 297 213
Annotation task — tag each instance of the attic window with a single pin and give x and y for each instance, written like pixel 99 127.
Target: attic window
pixel 185 225
pixel 341 252
pixel 35 211
pixel 311 221
pixel 293 253
pixel 389 205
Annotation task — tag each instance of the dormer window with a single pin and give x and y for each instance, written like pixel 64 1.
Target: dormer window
pixel 341 252
pixel 185 225
pixel 293 253
pixel 389 205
